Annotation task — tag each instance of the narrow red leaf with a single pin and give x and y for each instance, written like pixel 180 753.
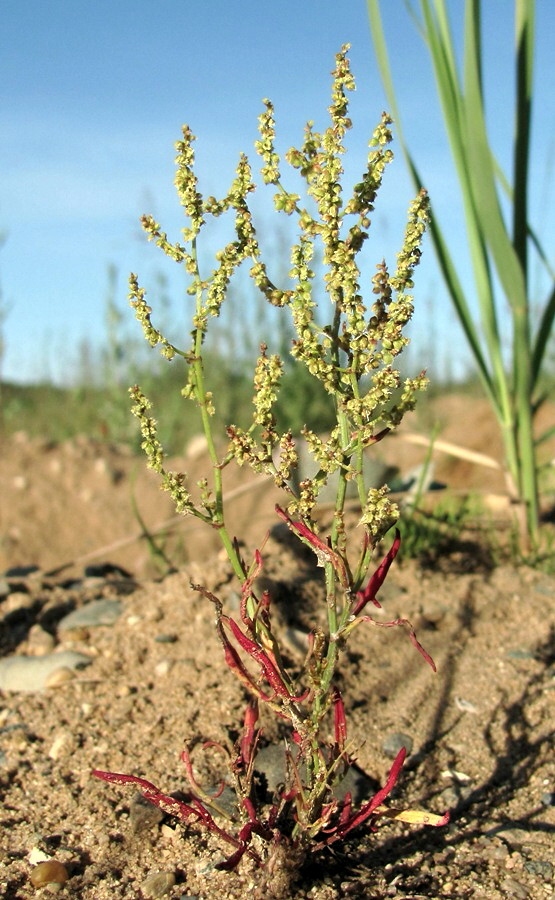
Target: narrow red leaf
pixel 233 660
pixel 321 548
pixel 412 635
pixel 346 809
pixel 366 811
pixel 270 670
pixel 340 721
pixel 250 734
pixel 368 595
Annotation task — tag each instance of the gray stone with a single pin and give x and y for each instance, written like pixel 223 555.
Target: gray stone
pixel 395 742
pixel 540 867
pixel 271 763
pixel 143 814
pixel 32 673
pixel 98 612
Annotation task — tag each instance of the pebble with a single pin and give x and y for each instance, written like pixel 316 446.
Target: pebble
pixel 163 668
pixel 465 705
pixel 102 570
pixel 457 776
pixel 271 763
pixel 34 673
pixel 541 867
pixel 158 885
pixel 520 653
pixel 62 744
pixel 357 783
pixel 548 798
pixel 143 814
pixel 395 742
pixel 51 872
pixel 40 641
pixel 21 571
pixel 166 638
pixel 514 888
pixel 98 612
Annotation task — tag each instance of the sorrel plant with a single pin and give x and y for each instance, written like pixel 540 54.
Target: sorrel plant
pixel 353 357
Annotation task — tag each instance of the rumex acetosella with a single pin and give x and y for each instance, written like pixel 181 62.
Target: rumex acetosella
pixel 349 346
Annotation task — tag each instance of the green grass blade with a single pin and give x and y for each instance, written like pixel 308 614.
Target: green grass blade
pixel 525 15
pixel 498 245
pixel 543 334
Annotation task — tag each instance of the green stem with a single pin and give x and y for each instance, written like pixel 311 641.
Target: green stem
pixel 218 517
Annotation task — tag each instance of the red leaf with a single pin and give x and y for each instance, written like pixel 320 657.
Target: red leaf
pixel 323 551
pixel 366 811
pixel 162 801
pixel 271 672
pixel 412 635
pixel 235 663
pixel 368 595
pixel 250 733
pixel 340 720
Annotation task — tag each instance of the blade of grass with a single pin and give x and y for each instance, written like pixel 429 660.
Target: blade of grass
pixel 498 249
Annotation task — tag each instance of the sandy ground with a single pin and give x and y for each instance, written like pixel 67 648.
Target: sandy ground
pixel 482 728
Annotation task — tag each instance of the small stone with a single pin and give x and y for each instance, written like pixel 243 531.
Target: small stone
pixel 457 776
pixel 520 653
pixel 21 571
pixel 357 783
pixel 165 638
pixel 271 763
pixel 143 814
pixel 158 885
pixel 540 867
pixel 98 612
pixel 33 673
pixel 162 668
pixel 513 888
pixel 61 741
pixel 548 798
pixel 103 570
pixel 36 855
pixel 50 872
pixel 59 677
pixel 432 614
pixel 39 641
pixel 395 742
pixel 465 705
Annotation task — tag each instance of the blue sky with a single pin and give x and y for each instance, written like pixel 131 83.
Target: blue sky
pixel 93 99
